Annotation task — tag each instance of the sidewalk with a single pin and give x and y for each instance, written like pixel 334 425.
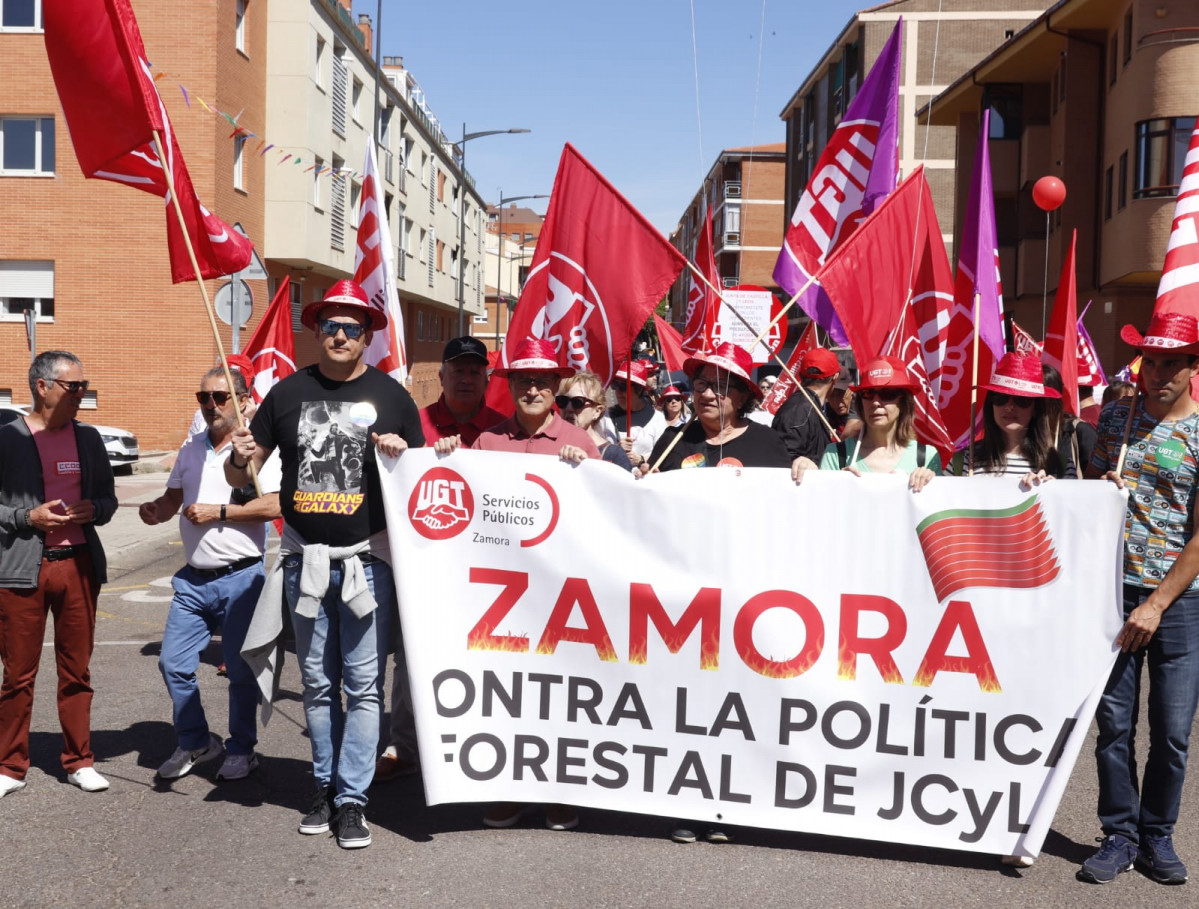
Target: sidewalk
pixel 125 534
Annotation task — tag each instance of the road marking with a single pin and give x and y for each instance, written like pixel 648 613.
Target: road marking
pixel 114 643
pixel 140 596
pixel 119 589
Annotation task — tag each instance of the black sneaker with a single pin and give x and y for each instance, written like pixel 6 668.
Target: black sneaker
pixel 352 832
pixel 317 819
pixel 1159 861
pixel 1115 856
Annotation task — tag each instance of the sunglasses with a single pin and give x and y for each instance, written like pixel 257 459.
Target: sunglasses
pixel 699 386
pixel 73 388
pixel 1002 400
pixel 577 402
pixel 886 395
pixel 353 330
pixel 220 397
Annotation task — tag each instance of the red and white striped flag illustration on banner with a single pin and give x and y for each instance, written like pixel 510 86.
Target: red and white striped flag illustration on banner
pixel 781 390
pixel 272 349
pixel 113 110
pixel 1008 547
pixel 702 301
pixel 858 168
pixel 375 270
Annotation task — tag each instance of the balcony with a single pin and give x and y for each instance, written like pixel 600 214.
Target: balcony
pixel 732 190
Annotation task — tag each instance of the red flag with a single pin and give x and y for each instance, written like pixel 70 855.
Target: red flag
pixel 272 349
pixel 702 300
pixel 498 397
pixel 1023 340
pixel 1061 338
pixel 597 273
pixel 988 548
pixel 781 390
pixel 113 109
pixel 882 282
pixel 672 347
pixel 375 270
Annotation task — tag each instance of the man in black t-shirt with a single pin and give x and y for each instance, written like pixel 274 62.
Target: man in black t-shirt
pixel 326 421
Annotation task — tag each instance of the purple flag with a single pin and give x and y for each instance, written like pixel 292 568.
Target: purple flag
pixel 858 168
pixel 1088 354
pixel 978 261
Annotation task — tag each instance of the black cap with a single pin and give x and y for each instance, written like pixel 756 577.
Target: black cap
pixel 464 347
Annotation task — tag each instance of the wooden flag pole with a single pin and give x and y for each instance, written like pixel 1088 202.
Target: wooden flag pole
pixel 798 385
pixel 1132 409
pixel 782 312
pixel 670 447
pixel 973 387
pixel 191 254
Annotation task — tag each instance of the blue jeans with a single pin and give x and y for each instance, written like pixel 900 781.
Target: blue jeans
pixel 200 609
pixel 338 651
pixel 1173 656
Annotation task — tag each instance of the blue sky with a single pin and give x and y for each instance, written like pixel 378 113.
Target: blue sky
pixel 615 78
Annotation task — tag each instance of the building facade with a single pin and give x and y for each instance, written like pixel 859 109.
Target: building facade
pixel 90 256
pixel 512 233
pixel 1100 94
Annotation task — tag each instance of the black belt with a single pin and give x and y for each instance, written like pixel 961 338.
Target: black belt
pixel 210 574
pixel 63 552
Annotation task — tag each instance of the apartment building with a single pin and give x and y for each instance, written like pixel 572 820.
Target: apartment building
pixel 89 257
pixel 1100 93
pixel 511 240
pixel 744 189
pixel 942 40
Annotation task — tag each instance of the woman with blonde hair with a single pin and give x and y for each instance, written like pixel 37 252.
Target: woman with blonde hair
pixel 581 401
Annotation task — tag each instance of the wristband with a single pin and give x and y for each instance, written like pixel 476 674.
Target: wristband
pixel 222 514
pixel 233 462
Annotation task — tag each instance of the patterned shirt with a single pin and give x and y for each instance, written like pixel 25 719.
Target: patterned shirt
pixel 1160 469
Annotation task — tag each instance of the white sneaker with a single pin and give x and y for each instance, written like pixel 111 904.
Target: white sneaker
pixel 8 784
pixel 237 766
pixel 181 762
pixel 87 779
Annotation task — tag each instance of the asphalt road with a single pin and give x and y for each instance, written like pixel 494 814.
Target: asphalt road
pixel 199 843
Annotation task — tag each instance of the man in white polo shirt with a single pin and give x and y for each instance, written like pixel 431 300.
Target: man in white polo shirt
pixel 224 535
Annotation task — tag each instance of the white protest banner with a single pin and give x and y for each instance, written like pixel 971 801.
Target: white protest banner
pixel 757 307
pixel 917 668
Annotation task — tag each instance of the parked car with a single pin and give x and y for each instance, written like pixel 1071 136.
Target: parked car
pixel 120 444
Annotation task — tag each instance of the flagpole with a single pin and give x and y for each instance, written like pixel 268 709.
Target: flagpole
pixel 782 312
pixel 799 385
pixel 973 386
pixel 673 443
pixel 1132 408
pixel 191 254
pixel 628 396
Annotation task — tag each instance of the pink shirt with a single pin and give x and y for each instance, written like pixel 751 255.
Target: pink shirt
pixel 509 436
pixel 60 478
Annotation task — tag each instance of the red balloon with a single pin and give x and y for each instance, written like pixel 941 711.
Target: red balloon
pixel 1049 193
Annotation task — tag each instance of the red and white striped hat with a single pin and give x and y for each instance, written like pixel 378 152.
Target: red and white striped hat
pixel 534 355
pixel 344 293
pixel 729 357
pixel 1168 331
pixel 1020 374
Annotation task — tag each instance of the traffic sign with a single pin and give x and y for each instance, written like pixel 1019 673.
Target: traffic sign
pixel 255 271
pixel 224 303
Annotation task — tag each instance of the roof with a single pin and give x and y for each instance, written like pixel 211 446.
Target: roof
pixel 770 148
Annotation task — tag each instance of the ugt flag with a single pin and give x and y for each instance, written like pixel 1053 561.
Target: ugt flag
pixel 272 349
pixel 781 390
pixel 1061 338
pixel 113 111
pixel 702 300
pixel 597 273
pixel 375 270
pixel 857 169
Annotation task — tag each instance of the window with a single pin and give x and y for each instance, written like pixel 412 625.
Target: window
pixel 1107 195
pixel 337 204
pixel 420 326
pixel 239 147
pixel 318 71
pixel 26 285
pixel 26 146
pixel 295 293
pixel 340 96
pixel 1161 154
pixel 440 255
pixel 1113 52
pixel 1122 196
pixel 1006 103
pixel 239 29
pixel 440 185
pixel 1128 36
pixel 355 197
pixel 318 163
pixel 356 101
pixel 1062 82
pixel 21 15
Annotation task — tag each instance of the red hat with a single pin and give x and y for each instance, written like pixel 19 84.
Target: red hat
pixel 729 357
pixel 818 363
pixel 242 364
pixel 1088 373
pixel 637 372
pixel 671 391
pixel 651 368
pixel 886 372
pixel 1168 331
pixel 1020 374
pixel 534 355
pixel 344 293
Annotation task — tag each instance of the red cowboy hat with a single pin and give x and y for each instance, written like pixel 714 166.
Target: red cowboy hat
pixel 534 355
pixel 638 372
pixel 886 372
pixel 671 391
pixel 729 357
pixel 1175 332
pixel 1020 374
pixel 344 293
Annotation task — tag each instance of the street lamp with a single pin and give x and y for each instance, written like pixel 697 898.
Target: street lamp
pixel 499 274
pixel 466 137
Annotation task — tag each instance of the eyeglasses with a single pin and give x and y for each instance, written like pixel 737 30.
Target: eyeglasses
pixel 1002 400
pixel 719 387
pixel 526 381
pixel 220 397
pixel 353 330
pixel 73 388
pixel 886 395
pixel 577 402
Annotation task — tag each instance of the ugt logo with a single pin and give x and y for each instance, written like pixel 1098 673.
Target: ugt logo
pixel 573 316
pixel 441 505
